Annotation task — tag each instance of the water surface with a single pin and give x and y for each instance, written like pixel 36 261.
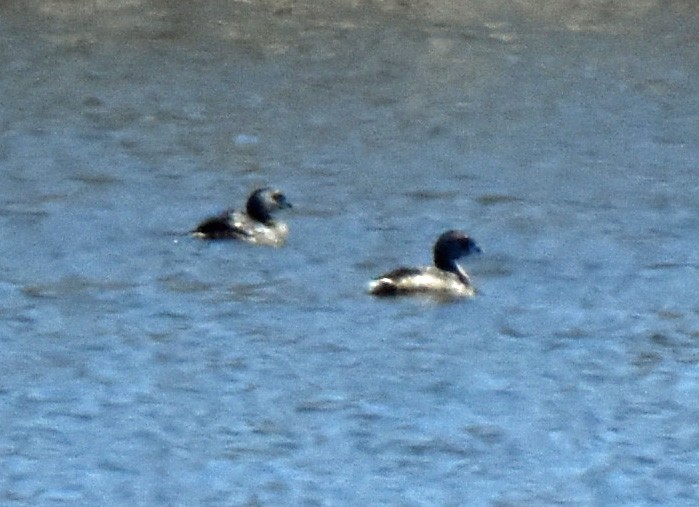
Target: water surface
pixel 142 366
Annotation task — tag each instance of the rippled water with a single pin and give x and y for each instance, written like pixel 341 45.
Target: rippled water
pixel 142 366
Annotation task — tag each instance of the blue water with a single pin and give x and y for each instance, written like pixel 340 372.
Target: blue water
pixel 143 367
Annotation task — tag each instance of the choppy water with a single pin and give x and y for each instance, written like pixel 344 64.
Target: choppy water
pixel 142 367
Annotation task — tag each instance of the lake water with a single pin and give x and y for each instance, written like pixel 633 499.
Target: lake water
pixel 144 367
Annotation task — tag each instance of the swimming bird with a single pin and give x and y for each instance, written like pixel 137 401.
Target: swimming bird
pixel 254 225
pixel 445 278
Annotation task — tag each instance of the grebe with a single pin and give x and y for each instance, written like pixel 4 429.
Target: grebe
pixel 254 225
pixel 445 278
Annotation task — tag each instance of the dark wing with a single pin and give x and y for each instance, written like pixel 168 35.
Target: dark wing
pixel 399 273
pixel 388 283
pixel 219 227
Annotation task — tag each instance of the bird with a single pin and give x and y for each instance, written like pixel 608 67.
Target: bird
pixel 254 225
pixel 445 278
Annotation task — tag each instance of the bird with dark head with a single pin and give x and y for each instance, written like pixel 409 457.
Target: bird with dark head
pixel 255 225
pixel 445 278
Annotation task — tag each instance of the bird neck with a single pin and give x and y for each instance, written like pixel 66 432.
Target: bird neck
pixel 444 261
pixel 258 211
pixel 463 276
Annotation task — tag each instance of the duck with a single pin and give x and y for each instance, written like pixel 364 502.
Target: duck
pixel 444 278
pixel 255 225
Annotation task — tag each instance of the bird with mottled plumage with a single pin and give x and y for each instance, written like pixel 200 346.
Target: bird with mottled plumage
pixel 254 225
pixel 445 278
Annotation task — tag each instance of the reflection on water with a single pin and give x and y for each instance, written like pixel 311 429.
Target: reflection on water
pixel 143 366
